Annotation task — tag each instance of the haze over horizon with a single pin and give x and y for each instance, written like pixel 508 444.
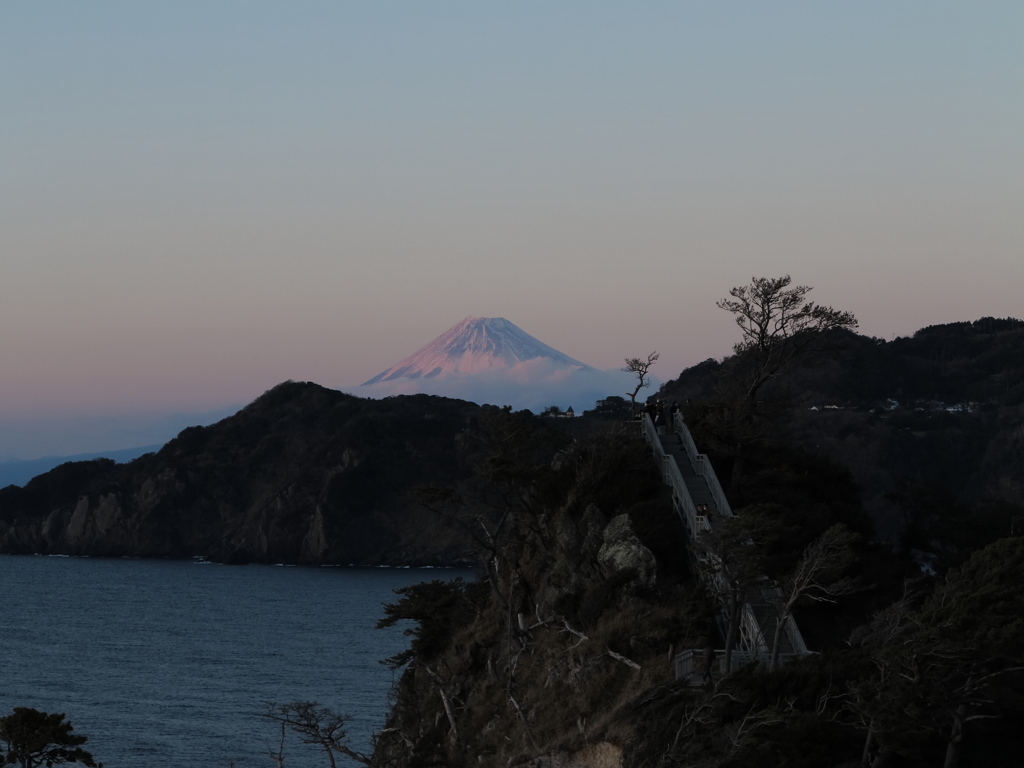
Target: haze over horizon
pixel 201 200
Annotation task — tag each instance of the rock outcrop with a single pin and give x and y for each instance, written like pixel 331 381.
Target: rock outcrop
pixel 601 755
pixel 623 551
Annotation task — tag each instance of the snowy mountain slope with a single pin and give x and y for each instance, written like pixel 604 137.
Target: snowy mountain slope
pixel 491 360
pixel 475 345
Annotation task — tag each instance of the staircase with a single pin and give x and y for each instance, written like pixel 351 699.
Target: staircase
pixel 700 501
pixel 672 445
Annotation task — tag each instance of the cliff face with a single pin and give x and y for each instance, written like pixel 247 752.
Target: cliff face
pixel 303 475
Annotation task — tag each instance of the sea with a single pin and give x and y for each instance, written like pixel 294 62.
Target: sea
pixel 166 663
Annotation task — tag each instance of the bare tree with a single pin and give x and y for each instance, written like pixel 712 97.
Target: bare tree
pixel 640 368
pixel 955 660
pixel 886 630
pixel 733 551
pixel 818 576
pixel 277 755
pixel 779 326
pixel 316 725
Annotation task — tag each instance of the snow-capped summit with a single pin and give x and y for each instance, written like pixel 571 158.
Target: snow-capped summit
pixel 490 360
pixel 475 345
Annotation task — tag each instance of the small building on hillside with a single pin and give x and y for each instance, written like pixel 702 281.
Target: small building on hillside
pixel 554 412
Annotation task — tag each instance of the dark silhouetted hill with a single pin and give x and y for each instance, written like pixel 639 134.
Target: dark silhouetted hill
pixel 942 409
pixel 302 474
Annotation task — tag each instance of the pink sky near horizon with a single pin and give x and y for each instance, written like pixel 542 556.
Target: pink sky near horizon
pixel 202 200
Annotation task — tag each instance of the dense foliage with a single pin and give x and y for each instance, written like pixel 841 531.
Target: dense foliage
pixel 32 738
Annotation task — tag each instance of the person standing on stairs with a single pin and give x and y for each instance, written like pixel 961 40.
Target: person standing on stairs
pixel 709 661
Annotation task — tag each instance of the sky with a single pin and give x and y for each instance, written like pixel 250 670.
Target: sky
pixel 199 200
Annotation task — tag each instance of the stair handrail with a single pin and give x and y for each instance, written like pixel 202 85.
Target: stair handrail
pixel 670 471
pixel 702 466
pixel 757 642
pixel 684 434
pixel 671 474
pixel 773 594
pixel 708 473
pixel 796 639
pixel 684 663
pixel 650 433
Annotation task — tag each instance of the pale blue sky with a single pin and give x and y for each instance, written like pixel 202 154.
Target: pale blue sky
pixel 198 200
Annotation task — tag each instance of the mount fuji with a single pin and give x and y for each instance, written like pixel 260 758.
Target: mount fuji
pixel 489 359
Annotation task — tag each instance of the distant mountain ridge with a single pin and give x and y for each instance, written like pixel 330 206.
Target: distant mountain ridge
pixel 20 471
pixel 492 360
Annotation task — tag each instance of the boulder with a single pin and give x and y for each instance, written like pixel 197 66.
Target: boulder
pixel 623 550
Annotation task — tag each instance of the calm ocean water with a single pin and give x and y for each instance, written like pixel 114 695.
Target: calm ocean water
pixel 167 663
